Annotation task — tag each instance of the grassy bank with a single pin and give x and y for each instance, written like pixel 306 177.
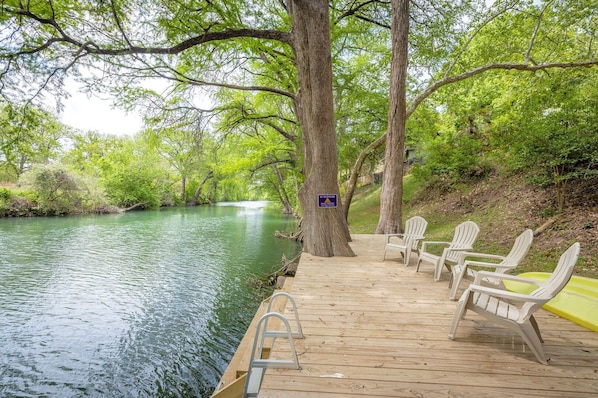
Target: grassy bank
pixel 503 208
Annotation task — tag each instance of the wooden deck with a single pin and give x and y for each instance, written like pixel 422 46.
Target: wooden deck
pixel 375 328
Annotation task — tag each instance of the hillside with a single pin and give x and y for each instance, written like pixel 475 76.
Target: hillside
pixel 503 208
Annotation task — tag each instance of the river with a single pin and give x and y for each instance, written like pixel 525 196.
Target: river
pixel 141 304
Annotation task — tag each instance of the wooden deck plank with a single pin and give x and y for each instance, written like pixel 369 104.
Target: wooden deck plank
pixel 375 328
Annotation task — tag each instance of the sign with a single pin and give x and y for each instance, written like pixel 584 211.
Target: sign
pixel 327 201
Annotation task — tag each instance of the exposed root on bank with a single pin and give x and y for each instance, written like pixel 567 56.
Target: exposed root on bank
pixel 296 236
pixel 265 284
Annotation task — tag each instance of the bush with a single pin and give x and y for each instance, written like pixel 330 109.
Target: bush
pixel 57 191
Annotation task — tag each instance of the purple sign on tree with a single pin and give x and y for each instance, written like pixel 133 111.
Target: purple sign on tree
pixel 327 201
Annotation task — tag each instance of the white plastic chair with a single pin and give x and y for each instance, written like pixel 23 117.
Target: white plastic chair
pixel 465 235
pixel 415 228
pixel 515 310
pixel 504 263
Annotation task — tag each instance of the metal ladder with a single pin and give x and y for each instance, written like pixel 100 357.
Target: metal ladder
pixel 257 364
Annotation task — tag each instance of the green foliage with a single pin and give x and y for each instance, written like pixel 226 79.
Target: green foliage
pixel 28 135
pixel 56 190
pixel 128 170
pixel 550 128
pixel 5 194
pixel 452 158
pixel 545 123
pixel 134 176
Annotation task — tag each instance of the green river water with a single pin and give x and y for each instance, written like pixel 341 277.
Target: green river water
pixel 142 304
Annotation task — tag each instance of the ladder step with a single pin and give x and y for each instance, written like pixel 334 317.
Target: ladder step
pixel 282 333
pixel 275 363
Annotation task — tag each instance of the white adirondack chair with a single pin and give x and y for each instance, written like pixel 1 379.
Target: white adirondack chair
pixel 504 263
pixel 465 235
pixel 415 228
pixel 515 311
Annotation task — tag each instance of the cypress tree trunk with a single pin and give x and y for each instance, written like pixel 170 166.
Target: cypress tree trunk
pixel 391 196
pixel 326 232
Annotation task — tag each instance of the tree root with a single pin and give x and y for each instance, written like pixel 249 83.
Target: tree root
pixel 546 225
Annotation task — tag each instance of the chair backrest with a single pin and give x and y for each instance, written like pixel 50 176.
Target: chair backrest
pixel 415 226
pixel 518 251
pixel 556 282
pixel 466 234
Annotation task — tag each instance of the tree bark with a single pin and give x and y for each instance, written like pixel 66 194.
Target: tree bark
pixel 391 196
pixel 195 199
pixel 282 193
pixel 326 232
pixel 183 188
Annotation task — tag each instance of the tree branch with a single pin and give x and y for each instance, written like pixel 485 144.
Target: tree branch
pixel 494 66
pixel 484 23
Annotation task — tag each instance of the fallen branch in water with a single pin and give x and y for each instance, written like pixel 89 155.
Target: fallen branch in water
pixel 135 206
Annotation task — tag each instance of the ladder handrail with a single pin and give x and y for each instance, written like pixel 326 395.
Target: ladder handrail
pixel 258 365
pixel 298 333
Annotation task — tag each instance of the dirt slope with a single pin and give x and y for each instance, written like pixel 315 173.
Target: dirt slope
pixel 504 207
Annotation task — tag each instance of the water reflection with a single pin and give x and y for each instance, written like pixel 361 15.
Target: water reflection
pixel 140 304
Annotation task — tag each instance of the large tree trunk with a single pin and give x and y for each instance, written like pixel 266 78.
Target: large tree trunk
pixel 391 197
pixel 326 232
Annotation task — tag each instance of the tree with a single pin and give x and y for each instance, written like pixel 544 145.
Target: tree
pixel 57 191
pixel 139 39
pixel 260 140
pixel 178 132
pixel 28 135
pixel 548 36
pixel 325 230
pixel 127 168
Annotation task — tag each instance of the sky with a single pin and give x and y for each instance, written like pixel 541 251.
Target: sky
pixel 95 113
pixel 91 113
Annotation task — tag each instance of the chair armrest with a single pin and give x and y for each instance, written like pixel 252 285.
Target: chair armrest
pixel 429 242
pixel 455 249
pixel 464 255
pixel 505 294
pixel 486 264
pixel 486 274
pixel 388 236
pixel 414 237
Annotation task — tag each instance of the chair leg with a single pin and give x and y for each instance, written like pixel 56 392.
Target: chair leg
pixel 530 336
pixel 438 270
pixel 407 256
pixel 455 280
pixel 439 265
pixel 459 313
pixel 532 320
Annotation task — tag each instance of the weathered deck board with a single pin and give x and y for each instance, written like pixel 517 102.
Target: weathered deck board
pixel 377 328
